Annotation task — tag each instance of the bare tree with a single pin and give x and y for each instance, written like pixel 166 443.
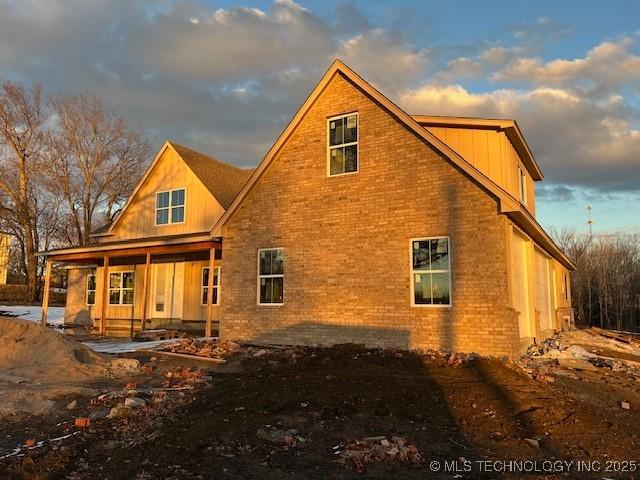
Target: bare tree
pixel 606 282
pixel 95 160
pixel 23 117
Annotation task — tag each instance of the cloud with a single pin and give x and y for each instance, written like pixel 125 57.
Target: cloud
pixel 228 45
pixel 556 193
pixel 386 58
pixel 603 70
pixel 227 80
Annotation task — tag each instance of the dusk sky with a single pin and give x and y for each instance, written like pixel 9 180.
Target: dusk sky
pixel 226 77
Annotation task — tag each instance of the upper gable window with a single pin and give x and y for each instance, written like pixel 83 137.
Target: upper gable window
pixel 170 206
pixel 343 144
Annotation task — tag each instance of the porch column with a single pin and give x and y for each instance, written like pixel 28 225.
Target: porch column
pixel 105 295
pixel 145 291
pixel 45 293
pixel 212 256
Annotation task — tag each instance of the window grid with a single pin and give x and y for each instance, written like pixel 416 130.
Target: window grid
pixel 270 280
pixel 204 286
pixel 91 289
pixel 341 148
pixel 415 272
pixel 119 294
pixel 170 206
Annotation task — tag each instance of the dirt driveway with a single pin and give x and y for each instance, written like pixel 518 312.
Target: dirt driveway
pixel 290 414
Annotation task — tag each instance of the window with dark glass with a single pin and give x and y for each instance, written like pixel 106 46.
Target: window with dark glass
pixel 430 271
pixel 204 294
pixel 170 206
pixel 522 185
pixel 271 276
pixel 121 288
pixel 91 289
pixel 343 144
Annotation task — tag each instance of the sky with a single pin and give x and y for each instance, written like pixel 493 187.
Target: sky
pixel 225 77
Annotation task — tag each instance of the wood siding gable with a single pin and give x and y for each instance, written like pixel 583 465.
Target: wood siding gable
pixel 167 171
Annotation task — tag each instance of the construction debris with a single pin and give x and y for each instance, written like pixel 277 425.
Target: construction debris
pixel 625 337
pixel 588 350
pixel 218 351
pixel 533 442
pixel 576 364
pixel 82 422
pixel 134 402
pixel 201 347
pixel 157 334
pixel 356 455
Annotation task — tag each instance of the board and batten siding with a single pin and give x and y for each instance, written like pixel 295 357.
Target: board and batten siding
pixel 491 152
pixel 202 210
pixel 192 310
pixel 121 315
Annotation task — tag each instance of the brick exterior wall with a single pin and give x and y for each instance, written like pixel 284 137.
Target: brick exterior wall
pixel 347 243
pixel 76 310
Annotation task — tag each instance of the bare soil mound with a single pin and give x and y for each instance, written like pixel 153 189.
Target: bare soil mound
pixel 31 351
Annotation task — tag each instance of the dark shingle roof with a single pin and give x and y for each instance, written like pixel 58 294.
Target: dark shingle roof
pixel 101 229
pixel 224 181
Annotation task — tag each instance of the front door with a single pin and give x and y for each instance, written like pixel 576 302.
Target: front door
pixel 167 285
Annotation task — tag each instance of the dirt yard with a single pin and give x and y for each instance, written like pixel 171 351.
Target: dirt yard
pixel 345 412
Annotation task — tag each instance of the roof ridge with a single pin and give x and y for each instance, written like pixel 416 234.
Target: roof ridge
pixel 178 146
pixel 223 180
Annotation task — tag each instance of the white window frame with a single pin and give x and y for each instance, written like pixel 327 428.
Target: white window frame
pixel 121 290
pixel 170 207
pixel 204 287
pixel 277 275
pixel 87 290
pixel 414 272
pixel 331 147
pixel 522 185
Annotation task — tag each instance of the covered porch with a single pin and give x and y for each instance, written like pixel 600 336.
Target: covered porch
pixel 121 288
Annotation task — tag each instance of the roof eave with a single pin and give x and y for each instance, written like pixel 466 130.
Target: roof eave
pixel 531 227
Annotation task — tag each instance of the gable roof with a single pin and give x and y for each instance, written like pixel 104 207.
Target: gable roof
pixel 508 126
pixel 222 180
pixel 506 202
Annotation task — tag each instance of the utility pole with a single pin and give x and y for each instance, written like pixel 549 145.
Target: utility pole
pixel 589 220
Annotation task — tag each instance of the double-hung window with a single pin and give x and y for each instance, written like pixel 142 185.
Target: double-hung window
pixel 343 144
pixel 91 289
pixel 430 272
pixel 271 276
pixel 204 292
pixel 170 206
pixel 121 288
